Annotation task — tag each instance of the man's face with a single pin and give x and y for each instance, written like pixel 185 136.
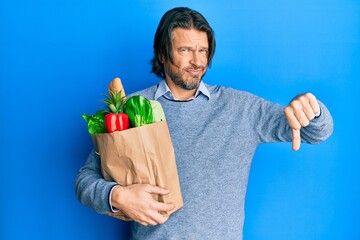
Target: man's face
pixel 190 53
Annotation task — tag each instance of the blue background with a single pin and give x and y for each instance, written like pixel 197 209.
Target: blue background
pixel 57 57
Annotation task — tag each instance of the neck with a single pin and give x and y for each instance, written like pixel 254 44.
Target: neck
pixel 180 93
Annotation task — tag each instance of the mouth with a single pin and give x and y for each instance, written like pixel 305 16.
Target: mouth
pixel 195 71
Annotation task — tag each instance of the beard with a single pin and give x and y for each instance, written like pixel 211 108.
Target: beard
pixel 178 80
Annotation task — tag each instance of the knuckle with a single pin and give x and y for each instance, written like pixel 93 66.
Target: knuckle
pixel 305 123
pixel 162 221
pixel 303 100
pixel 147 212
pixel 152 205
pixel 296 126
pixel 301 97
pixel 296 104
pixel 143 219
pixel 153 223
pixel 287 110
pixel 309 95
pixel 311 116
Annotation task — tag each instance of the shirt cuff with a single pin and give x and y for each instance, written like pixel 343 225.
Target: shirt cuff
pixel 114 210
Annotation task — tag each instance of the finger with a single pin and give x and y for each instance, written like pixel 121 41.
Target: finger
pixel 307 108
pixel 149 217
pixel 164 207
pixel 309 113
pixel 157 190
pixel 291 118
pixel 153 222
pixel 159 218
pixel 143 223
pixel 154 217
pixel 296 140
pixel 313 103
pixel 140 218
pixel 297 106
pixel 301 118
pixel 150 221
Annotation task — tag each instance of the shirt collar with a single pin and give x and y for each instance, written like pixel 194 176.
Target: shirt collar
pixel 164 90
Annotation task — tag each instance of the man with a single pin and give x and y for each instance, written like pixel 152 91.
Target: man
pixel 215 132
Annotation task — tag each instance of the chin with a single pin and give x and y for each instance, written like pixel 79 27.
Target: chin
pixel 191 86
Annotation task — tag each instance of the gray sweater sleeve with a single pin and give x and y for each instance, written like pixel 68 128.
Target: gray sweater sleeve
pixel 273 127
pixel 91 188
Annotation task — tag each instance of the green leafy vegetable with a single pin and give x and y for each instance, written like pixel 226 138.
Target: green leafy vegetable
pixel 158 112
pixel 139 111
pixel 96 123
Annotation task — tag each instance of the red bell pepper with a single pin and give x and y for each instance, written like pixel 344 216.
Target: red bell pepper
pixel 116 122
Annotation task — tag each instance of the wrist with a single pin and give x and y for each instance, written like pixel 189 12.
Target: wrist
pixel 114 195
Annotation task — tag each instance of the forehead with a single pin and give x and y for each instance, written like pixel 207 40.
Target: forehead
pixel 189 37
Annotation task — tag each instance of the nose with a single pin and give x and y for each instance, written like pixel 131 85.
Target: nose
pixel 196 59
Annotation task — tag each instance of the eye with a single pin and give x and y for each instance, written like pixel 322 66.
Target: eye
pixel 203 51
pixel 184 50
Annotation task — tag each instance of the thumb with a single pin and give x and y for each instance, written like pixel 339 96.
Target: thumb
pixel 296 140
pixel 157 190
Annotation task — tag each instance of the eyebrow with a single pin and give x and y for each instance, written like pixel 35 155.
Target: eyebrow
pixel 189 47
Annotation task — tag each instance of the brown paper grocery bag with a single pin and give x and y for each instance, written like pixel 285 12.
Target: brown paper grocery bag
pixel 140 155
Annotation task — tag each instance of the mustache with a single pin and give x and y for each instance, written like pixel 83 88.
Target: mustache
pixel 194 67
